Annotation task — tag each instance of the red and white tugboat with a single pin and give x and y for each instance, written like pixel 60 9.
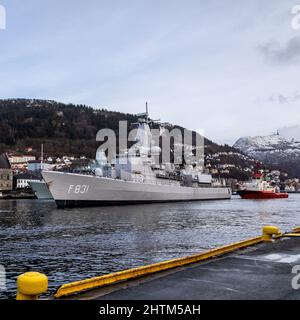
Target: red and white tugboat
pixel 259 188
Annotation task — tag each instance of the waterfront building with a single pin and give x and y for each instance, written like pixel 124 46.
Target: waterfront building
pixel 22 180
pixel 6 174
pixel 21 159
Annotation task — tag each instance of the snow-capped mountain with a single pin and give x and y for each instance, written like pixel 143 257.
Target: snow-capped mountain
pixel 290 132
pixel 276 149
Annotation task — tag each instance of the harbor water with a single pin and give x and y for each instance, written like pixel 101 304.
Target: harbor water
pixel 74 244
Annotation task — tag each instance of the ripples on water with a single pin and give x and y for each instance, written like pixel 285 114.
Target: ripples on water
pixel 74 244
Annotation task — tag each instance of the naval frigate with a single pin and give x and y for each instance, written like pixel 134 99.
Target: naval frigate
pixel 134 181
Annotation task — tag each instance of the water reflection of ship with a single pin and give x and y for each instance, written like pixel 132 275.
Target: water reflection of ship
pixel 137 180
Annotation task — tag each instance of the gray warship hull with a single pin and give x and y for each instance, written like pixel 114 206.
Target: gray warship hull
pixel 77 190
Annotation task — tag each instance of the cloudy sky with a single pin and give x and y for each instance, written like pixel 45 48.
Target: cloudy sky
pixel 231 68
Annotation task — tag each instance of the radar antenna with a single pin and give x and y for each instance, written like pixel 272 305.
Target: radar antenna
pixel 144 117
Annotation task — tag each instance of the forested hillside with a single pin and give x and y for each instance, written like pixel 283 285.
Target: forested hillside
pixel 67 129
pixel 63 128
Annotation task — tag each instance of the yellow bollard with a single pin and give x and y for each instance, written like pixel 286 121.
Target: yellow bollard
pixel 31 285
pixel 269 232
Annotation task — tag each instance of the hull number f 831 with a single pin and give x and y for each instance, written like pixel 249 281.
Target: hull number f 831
pixel 79 188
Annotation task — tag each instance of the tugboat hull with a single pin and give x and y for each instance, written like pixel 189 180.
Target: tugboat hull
pixel 247 194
